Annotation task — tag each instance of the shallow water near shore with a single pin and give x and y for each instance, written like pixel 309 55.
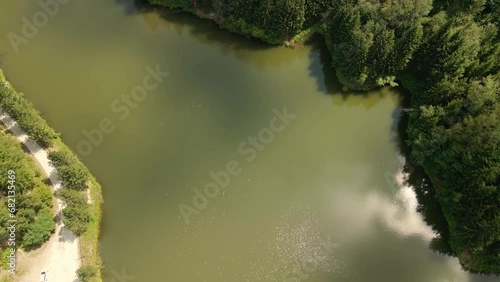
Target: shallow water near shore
pixel 316 197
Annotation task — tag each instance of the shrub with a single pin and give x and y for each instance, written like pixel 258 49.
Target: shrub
pixel 85 273
pixel 44 193
pixel 71 197
pixel 76 214
pixel 76 218
pixel 40 230
pixel 73 177
pixel 4 261
pixel 59 158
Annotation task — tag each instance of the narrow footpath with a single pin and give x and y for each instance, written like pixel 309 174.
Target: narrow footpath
pixel 60 254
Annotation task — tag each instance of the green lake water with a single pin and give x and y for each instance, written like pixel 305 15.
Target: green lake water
pixel 313 200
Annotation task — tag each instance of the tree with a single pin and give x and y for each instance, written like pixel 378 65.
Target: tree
pixel 72 173
pixel 372 41
pixel 76 213
pixel 40 230
pixel 73 177
pixel 76 218
pixel 458 143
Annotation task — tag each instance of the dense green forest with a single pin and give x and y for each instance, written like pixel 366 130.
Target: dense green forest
pixel 31 196
pixel 446 53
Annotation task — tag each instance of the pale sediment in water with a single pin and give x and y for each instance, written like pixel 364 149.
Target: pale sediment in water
pixel 399 214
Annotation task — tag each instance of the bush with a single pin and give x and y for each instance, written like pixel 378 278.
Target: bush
pixel 71 197
pixel 76 214
pixel 73 177
pixel 13 158
pixel 60 158
pixel 85 273
pixel 76 218
pixel 4 260
pixel 44 193
pixel 72 173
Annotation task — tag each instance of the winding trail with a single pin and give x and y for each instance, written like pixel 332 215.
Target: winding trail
pixel 60 254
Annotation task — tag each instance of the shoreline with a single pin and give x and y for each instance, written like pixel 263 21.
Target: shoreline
pixel 87 242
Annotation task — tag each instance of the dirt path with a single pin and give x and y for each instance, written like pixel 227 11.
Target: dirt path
pixel 60 255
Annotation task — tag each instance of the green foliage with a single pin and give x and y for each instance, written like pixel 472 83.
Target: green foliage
pixel 4 260
pixel 71 197
pixel 316 11
pixel 13 158
pixel 33 198
pixel 468 7
pixel 175 4
pixel 72 173
pixel 25 114
pixel 455 134
pixel 60 158
pixel 241 26
pixel 459 145
pixel 76 214
pixel 454 128
pixel 85 273
pixel 487 61
pixel 76 219
pixel 274 21
pixel 372 41
pixel 40 230
pixel 457 49
pixel 44 194
pixel 448 57
pixel 73 177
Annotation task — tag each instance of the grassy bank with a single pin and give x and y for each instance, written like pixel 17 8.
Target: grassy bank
pixel 16 105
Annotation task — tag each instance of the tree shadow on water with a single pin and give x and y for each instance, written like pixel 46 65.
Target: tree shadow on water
pixel 205 30
pixel 208 32
pixel 321 66
pixel 322 70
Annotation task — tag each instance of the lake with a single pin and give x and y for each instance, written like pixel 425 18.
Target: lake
pixel 222 158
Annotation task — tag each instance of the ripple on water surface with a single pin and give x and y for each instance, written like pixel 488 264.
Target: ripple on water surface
pixel 300 250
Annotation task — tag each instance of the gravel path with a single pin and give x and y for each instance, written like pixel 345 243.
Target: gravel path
pixel 59 255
